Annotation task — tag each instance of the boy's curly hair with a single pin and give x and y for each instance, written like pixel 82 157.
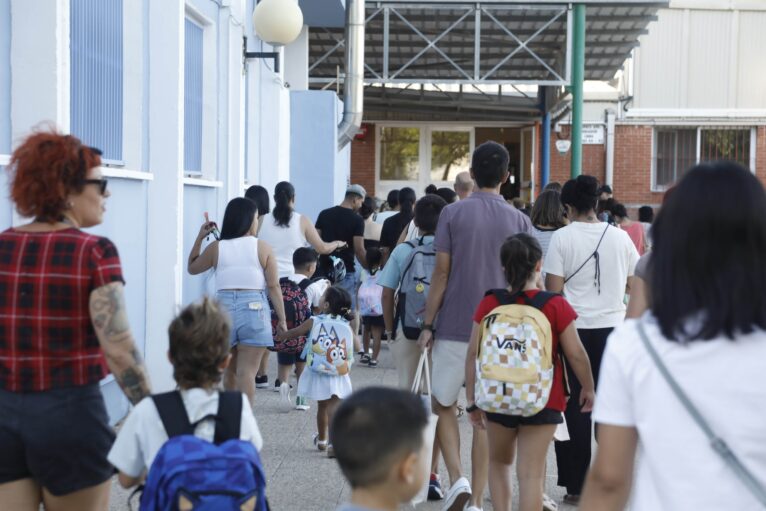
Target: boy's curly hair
pixel 199 344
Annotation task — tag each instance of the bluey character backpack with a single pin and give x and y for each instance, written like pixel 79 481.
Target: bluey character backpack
pixel 330 346
pixel 371 297
pixel 192 474
pixel 297 310
pixel 514 367
pixel 414 287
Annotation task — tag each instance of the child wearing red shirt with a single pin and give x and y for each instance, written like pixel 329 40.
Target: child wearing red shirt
pixel 521 257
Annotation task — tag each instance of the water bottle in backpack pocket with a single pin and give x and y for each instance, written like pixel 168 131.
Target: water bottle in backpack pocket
pixel 330 346
pixel 193 474
pixel 371 297
pixel 414 287
pixel 514 366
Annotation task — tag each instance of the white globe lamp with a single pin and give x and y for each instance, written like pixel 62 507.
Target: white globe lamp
pixel 278 22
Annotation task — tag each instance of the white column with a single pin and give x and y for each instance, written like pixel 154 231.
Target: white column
pixel 39 65
pixel 164 252
pixel 234 173
pixel 296 56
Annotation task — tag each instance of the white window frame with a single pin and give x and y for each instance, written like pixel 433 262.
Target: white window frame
pixel 209 170
pixel 699 128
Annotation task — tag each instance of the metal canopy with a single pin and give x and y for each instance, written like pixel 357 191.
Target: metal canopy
pixel 484 42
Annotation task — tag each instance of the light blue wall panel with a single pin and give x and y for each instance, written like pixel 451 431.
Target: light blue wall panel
pixel 6 206
pixel 5 76
pixel 96 74
pixel 198 200
pixel 193 63
pixel 125 223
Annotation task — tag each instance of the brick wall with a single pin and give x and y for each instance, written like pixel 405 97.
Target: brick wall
pixel 633 165
pixel 363 161
pixel 593 160
pixel 760 153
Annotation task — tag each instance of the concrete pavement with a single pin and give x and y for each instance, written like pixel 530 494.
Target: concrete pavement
pixel 300 478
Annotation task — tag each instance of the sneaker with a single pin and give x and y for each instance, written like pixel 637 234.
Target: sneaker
pixel 262 382
pixel 364 358
pixel 284 395
pixel 435 488
pixel 320 444
pixel 472 508
pixel 457 496
pixel 373 363
pixel 330 451
pixel 549 504
pixel 277 384
pixel 301 403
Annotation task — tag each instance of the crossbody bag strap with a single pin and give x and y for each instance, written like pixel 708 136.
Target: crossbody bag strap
pixel 716 442
pixel 594 254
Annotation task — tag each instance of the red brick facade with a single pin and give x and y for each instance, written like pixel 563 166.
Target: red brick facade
pixel 632 162
pixel 363 161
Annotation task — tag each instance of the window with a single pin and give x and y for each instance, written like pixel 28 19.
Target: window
pixel 5 77
pixel 97 74
pixel 450 154
pixel 193 34
pixel 678 149
pixel 399 154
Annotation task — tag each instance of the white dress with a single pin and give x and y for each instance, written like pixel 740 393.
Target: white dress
pixel 321 386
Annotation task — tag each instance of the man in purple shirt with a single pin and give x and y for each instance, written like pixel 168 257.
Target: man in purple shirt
pixel 468 240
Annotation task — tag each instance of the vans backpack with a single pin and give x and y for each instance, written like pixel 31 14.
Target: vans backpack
pixel 297 310
pixel 330 346
pixel 192 474
pixel 414 287
pixel 371 297
pixel 514 367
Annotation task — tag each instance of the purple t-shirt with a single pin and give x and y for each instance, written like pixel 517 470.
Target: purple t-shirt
pixel 472 231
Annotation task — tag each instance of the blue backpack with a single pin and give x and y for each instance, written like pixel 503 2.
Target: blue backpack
pixel 190 473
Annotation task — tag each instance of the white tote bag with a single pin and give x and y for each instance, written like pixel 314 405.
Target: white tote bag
pixel 423 375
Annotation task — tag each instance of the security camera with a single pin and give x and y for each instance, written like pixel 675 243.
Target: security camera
pixel 563 146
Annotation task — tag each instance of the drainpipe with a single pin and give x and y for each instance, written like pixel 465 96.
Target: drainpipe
pixel 578 76
pixel 610 116
pixel 353 84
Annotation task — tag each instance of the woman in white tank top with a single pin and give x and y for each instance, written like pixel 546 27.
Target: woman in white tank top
pixel 286 231
pixel 245 271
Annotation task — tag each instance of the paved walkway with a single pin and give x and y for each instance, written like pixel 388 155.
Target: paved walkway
pixel 300 478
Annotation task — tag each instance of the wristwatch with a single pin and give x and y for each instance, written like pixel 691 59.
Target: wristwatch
pixel 472 408
pixel 427 326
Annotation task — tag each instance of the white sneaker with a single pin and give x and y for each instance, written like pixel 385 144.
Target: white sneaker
pixel 457 496
pixel 284 395
pixel 301 404
pixel 472 508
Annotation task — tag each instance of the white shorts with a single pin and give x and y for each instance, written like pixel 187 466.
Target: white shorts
pixel 406 355
pixel 448 373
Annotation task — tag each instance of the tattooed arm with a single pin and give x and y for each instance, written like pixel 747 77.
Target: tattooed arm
pixel 110 320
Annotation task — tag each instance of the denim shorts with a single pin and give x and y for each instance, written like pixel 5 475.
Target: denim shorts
pixel 349 283
pixel 59 438
pixel 250 317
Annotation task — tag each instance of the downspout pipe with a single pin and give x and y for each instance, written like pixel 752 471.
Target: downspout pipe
pixel 610 118
pixel 353 84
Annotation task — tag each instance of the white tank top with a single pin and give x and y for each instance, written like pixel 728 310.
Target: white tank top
pixel 283 240
pixel 238 265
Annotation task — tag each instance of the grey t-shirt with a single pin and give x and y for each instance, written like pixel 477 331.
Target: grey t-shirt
pixel 472 231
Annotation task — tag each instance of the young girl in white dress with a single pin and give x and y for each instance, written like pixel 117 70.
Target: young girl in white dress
pixel 329 355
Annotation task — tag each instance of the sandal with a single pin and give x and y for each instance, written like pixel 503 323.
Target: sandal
pixel 320 444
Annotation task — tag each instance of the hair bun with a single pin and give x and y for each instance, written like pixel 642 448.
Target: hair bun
pixel 587 185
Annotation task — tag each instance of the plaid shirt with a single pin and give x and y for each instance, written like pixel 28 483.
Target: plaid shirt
pixel 47 339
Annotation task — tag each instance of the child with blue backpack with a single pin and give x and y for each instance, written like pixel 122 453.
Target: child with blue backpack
pixel 329 354
pixel 370 303
pixel 197 418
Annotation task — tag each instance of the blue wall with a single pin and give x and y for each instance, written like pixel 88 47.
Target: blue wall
pixel 6 207
pixel 197 200
pixel 5 78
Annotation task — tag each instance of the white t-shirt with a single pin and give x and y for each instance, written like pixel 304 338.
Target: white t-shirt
pixel 383 216
pixel 315 291
pixel 570 247
pixel 676 467
pixel 142 435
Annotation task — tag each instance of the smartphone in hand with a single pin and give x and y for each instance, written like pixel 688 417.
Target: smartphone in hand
pixel 215 232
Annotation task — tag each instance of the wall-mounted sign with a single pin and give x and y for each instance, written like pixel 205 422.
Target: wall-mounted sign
pixel 592 134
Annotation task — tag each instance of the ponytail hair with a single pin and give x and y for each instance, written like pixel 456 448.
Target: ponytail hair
pixel 519 255
pixel 339 302
pixel 407 202
pixel 284 192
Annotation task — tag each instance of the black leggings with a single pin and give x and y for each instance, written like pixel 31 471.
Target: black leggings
pixel 573 456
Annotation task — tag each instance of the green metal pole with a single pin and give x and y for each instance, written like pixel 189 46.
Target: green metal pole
pixel 578 76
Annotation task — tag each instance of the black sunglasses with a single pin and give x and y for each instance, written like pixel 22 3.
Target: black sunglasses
pixel 100 182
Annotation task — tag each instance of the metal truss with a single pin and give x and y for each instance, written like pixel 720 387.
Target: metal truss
pixel 535 54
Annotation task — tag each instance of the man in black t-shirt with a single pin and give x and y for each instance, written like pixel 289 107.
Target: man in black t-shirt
pixel 345 224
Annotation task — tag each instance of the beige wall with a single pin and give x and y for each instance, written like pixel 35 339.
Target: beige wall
pixel 708 56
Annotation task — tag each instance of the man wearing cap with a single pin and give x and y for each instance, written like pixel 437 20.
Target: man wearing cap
pixel 345 224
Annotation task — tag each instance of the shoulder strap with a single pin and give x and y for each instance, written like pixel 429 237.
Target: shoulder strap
pixel 228 420
pixel 305 283
pixel 284 280
pixel 716 442
pixel 540 299
pixel 504 297
pixel 172 411
pixel 594 254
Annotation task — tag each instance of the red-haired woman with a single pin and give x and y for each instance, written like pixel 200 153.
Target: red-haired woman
pixel 63 325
